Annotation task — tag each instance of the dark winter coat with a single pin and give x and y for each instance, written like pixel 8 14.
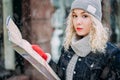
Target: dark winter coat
pixel 95 66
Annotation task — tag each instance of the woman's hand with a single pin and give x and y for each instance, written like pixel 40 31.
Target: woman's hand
pixel 39 51
pixel 45 56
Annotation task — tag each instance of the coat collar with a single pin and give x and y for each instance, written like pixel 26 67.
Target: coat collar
pixel 81 46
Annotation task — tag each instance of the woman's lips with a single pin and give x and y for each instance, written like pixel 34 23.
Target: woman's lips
pixel 79 29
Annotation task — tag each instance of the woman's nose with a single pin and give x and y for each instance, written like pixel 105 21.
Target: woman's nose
pixel 79 21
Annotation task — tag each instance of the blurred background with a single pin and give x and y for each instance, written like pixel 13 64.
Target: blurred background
pixel 43 22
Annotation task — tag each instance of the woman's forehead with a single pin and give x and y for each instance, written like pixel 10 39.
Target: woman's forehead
pixel 77 10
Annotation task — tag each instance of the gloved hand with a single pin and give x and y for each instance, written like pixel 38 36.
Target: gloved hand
pixel 45 56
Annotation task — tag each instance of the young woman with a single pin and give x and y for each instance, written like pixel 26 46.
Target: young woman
pixel 87 54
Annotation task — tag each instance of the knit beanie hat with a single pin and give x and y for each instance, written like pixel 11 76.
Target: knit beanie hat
pixel 91 6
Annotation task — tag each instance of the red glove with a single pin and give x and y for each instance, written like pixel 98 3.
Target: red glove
pixel 40 51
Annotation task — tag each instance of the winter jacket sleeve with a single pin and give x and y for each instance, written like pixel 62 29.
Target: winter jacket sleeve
pixel 57 67
pixel 116 60
pixel 114 55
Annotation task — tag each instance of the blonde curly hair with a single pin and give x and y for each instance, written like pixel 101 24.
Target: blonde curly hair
pixel 99 35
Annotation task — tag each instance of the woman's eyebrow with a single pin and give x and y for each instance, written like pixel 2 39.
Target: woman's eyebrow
pixel 73 12
pixel 83 12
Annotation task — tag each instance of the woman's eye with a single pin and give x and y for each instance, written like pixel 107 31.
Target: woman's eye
pixel 74 16
pixel 85 16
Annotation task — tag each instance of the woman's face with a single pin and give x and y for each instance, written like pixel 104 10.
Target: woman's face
pixel 81 22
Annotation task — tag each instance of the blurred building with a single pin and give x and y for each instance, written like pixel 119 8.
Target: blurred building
pixel 33 18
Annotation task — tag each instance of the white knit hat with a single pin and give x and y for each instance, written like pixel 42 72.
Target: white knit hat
pixel 91 6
